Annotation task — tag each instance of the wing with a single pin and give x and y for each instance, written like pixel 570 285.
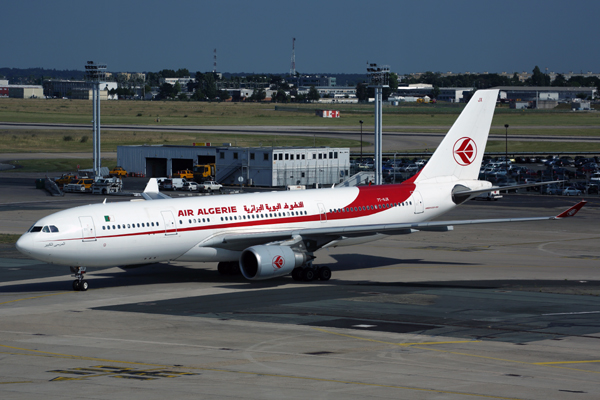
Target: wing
pixel 317 238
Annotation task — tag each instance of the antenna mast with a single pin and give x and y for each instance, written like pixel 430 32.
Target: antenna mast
pixel 293 69
pixel 215 62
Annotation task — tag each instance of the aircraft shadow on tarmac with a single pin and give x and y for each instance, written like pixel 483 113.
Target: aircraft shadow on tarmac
pixel 162 273
pixel 177 273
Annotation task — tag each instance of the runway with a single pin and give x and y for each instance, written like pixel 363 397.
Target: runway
pixel 504 311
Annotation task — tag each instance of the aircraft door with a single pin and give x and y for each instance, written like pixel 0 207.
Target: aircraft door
pixel 170 226
pixel 418 199
pixel 88 231
pixel 322 212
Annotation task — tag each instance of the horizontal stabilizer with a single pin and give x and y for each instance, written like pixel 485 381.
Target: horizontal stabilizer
pixel 472 193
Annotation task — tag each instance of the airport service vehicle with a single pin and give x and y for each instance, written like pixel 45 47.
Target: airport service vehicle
pixel 203 172
pixel 493 195
pixel 186 173
pixel 64 179
pixel 269 235
pixel 118 171
pixel 210 186
pixel 79 185
pixel 107 185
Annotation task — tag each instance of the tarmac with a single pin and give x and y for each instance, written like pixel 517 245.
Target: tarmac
pixel 499 311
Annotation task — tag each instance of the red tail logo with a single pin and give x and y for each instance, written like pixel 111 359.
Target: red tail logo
pixel 464 151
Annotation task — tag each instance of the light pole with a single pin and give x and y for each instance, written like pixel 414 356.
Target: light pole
pixel 379 78
pixel 506 148
pixel 361 154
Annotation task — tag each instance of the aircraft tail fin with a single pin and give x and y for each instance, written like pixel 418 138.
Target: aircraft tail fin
pixel 460 153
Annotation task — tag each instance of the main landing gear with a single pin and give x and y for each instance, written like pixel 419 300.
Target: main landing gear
pixel 229 268
pixel 311 273
pixel 79 284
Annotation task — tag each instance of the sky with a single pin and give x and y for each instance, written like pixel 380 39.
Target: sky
pixel 332 36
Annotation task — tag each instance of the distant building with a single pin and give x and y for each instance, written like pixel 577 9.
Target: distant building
pixel 549 93
pixel 316 80
pixel 453 95
pixel 183 82
pixel 22 91
pixel 259 166
pixel 76 89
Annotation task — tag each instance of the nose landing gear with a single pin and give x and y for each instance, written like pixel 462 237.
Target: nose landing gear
pixel 79 284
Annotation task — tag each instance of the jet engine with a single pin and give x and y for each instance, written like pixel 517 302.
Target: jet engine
pixel 264 262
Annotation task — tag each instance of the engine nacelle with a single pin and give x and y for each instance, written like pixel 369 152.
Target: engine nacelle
pixel 265 262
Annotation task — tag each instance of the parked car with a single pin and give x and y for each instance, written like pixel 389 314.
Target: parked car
pixel 550 189
pixel 173 184
pixel 591 188
pixel 571 191
pixel 595 177
pixel 210 186
pixel 190 186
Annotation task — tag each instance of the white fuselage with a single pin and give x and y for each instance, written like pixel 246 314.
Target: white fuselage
pixel 142 232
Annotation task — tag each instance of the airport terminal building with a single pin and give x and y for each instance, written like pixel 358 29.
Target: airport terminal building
pixel 258 166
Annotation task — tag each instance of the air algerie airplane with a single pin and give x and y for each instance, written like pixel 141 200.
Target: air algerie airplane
pixel 267 235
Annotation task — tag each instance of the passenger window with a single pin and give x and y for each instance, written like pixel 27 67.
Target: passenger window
pixel 103 227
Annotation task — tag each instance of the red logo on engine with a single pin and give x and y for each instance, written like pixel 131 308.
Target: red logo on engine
pixel 278 262
pixel 464 151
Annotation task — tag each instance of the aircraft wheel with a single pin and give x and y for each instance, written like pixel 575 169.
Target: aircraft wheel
pixel 234 268
pixel 83 286
pixel 297 274
pixel 309 275
pixel 223 268
pixel 324 273
pixel 76 285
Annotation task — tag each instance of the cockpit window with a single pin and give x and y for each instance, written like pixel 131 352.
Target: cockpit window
pixel 53 228
pixel 45 229
pixel 35 229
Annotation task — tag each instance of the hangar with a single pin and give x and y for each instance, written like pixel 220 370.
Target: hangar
pixel 258 166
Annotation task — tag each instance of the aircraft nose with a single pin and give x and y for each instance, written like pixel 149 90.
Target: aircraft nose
pixel 24 244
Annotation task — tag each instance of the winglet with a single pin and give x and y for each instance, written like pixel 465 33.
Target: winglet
pixel 571 211
pixel 152 186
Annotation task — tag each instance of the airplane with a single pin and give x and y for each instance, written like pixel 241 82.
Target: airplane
pixel 268 235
